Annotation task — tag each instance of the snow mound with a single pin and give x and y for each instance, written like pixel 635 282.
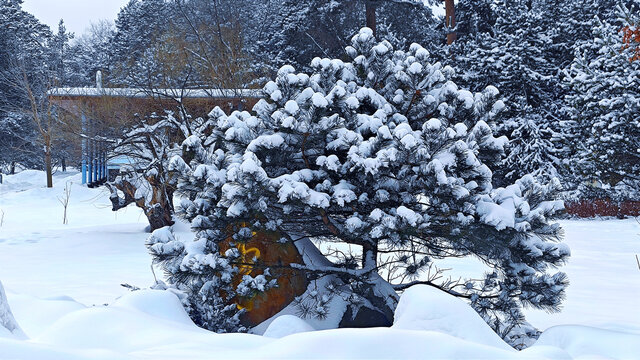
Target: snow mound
pixel 25 350
pixel 136 321
pixel 426 308
pixel 375 343
pixel 286 325
pixel 5 333
pixel 587 341
pixel 8 325
pixel 545 352
pixel 160 304
pixel 36 314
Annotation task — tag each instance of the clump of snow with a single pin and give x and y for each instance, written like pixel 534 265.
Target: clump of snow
pixel 586 341
pixel 286 325
pixel 423 307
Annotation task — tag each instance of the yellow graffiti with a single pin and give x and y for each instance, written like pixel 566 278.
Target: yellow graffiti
pixel 248 257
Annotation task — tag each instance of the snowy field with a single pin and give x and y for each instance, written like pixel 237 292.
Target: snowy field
pixel 63 286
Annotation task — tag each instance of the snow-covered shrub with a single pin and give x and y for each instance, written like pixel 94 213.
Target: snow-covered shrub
pixel 383 153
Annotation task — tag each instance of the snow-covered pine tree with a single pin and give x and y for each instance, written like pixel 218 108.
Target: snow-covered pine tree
pixel 21 37
pixel 606 110
pixel 511 54
pixel 474 17
pixel 292 32
pixel 139 27
pixel 382 152
pixel 522 47
pixel 17 142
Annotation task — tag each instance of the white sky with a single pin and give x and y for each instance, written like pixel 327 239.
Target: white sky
pixel 77 14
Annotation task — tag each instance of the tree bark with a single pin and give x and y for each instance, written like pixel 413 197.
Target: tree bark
pixel 370 7
pixel 369 255
pixel 47 164
pixel 159 211
pixel 450 20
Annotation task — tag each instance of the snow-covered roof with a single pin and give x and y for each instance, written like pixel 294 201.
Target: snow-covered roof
pixel 148 93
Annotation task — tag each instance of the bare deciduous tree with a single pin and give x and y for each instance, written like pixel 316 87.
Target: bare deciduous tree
pixel 64 200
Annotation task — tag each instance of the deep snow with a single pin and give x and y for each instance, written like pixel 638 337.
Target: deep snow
pixel 59 277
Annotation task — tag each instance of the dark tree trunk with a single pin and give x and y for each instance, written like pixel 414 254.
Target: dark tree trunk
pixel 64 164
pixel 12 170
pixel 450 20
pixel 371 15
pixel 48 167
pixel 159 211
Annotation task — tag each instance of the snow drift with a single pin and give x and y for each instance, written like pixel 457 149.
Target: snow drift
pixel 8 324
pixel 43 263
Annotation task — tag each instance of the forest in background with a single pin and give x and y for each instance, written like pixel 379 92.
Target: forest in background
pixel 536 52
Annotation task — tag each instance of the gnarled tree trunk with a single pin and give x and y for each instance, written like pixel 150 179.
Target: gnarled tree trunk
pixel 150 194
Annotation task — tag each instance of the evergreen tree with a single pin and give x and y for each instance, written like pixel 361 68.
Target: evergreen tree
pixel 512 56
pixel 59 51
pixel 522 47
pixel 383 152
pixel 90 52
pixel 300 29
pixel 23 40
pixel 605 110
pixel 139 28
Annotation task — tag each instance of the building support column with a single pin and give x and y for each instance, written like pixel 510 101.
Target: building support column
pixel 84 148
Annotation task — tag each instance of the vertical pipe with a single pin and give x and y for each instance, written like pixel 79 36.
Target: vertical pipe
pixel 95 161
pixel 102 162
pixel 90 160
pixel 106 167
pixel 84 148
pixel 103 172
pixel 99 160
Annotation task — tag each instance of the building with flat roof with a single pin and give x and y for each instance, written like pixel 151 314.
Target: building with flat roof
pixel 100 115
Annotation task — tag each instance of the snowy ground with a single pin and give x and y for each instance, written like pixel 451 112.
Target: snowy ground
pixel 59 277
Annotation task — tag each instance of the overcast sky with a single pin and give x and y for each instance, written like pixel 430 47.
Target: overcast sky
pixel 77 14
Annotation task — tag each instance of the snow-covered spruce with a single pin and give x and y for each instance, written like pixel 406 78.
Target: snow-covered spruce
pixel 512 50
pixel 605 105
pixel 383 153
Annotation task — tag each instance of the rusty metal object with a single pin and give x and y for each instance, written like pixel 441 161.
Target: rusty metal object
pixel 265 250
